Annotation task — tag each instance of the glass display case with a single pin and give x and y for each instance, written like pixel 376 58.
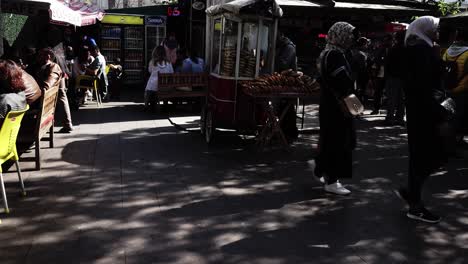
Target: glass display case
pixel 111 40
pixel 134 53
pixel 241 47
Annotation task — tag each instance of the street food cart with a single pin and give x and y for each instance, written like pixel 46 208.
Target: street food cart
pixel 240 57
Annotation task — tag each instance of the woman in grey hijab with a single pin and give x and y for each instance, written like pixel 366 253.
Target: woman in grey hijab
pixel 337 133
pixel 423 81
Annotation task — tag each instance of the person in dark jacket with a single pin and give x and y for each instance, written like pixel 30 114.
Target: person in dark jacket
pixel 424 113
pixel 379 64
pixel 337 137
pixel 360 66
pixel 285 54
pixel 394 75
pixel 286 60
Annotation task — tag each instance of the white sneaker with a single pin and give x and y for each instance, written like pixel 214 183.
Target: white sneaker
pixel 336 188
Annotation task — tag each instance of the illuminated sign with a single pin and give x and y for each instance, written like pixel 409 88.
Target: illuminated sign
pixel 322 35
pixel 173 11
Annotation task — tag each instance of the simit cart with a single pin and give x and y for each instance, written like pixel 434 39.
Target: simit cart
pixel 240 52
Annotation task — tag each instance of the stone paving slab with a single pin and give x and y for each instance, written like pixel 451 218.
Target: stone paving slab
pixel 129 187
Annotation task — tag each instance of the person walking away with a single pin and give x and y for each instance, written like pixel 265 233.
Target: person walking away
pixel 337 136
pixel 158 64
pixel 380 59
pixel 286 60
pixel 359 65
pixel 394 81
pixel 62 99
pixel 98 68
pixel 423 80
pixel 458 53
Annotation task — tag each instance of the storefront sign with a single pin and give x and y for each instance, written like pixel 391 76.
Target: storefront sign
pixel 155 20
pixel 124 20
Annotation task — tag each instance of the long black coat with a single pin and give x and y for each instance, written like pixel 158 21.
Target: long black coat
pixel 337 131
pixel 424 112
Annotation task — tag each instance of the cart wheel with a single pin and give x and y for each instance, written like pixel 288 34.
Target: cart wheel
pixel 209 127
pixel 202 121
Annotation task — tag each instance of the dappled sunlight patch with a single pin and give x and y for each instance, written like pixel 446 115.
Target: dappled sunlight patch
pixel 228 238
pixel 93 224
pixel 437 238
pixel 453 194
pixel 463 220
pixel 461 240
pixel 376 181
pixel 234 191
pixel 139 203
pixel 271 186
pixel 52 237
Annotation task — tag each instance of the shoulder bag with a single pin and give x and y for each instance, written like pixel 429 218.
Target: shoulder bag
pixel 350 103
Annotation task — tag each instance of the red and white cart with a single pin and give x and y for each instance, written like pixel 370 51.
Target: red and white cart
pixel 240 48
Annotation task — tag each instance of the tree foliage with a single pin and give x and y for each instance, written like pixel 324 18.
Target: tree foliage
pixel 449 8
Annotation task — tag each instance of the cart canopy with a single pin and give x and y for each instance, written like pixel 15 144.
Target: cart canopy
pixel 73 12
pixel 257 7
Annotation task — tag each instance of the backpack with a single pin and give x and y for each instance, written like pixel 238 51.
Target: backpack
pixel 450 69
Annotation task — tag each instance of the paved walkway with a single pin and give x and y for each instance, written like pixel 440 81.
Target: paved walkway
pixel 128 187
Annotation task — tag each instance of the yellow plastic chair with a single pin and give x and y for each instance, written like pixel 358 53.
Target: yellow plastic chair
pixel 8 134
pixel 90 83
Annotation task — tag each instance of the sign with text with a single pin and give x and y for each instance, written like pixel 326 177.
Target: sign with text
pixel 155 20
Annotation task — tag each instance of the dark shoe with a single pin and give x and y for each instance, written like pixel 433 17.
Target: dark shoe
pixel 65 130
pixel 422 214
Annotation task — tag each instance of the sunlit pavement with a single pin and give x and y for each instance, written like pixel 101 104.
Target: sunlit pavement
pixel 128 187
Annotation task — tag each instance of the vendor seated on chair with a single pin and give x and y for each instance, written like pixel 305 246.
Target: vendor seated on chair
pixel 12 97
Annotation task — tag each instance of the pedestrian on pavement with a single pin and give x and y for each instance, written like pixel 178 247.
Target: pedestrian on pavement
pixel 337 138
pixel 158 64
pixel 458 53
pixel 394 81
pixel 98 68
pixel 359 65
pixel 62 99
pixel 380 58
pixel 424 113
pixel 286 59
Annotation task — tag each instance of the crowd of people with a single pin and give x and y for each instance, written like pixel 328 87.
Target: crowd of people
pixel 416 75
pixel 53 63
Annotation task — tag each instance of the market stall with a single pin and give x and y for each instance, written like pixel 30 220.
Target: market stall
pixel 241 62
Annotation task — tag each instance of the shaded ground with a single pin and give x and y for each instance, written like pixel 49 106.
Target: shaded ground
pixel 128 187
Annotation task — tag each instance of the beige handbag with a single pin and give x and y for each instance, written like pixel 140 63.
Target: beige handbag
pixel 350 103
pixel 353 105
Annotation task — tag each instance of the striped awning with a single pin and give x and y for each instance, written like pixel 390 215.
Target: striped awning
pixel 73 12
